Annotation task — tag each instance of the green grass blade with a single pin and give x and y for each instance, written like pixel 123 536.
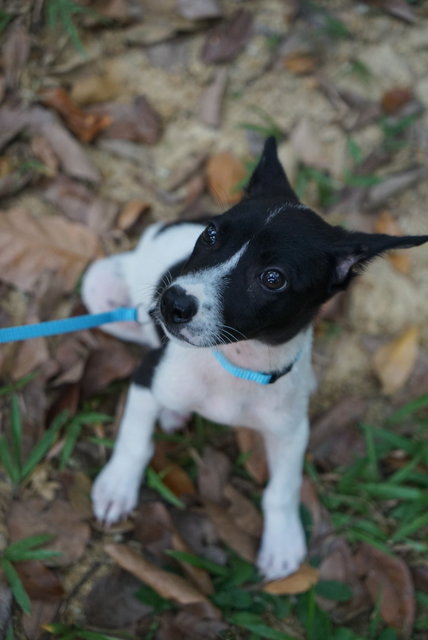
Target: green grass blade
pixel 16 586
pixel 386 491
pixel 28 543
pixel 16 430
pixel 408 528
pixel 71 437
pixel 408 409
pixel 254 623
pixel 8 462
pixel 154 481
pixel 333 590
pixel 41 449
pixel 16 386
pixel 196 561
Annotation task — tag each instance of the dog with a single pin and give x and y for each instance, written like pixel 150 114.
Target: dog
pixel 227 308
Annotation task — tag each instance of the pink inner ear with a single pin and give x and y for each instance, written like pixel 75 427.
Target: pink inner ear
pixel 104 288
pixel 344 266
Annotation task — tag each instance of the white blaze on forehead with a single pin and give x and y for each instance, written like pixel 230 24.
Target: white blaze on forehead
pixel 280 208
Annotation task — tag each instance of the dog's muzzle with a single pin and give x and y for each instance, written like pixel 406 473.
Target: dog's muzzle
pixel 176 306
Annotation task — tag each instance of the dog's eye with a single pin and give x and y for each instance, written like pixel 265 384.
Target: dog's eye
pixel 273 280
pixel 209 236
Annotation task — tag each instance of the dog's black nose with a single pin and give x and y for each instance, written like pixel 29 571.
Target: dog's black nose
pixel 177 306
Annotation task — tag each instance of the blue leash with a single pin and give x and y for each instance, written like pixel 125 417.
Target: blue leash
pixel 67 325
pixel 126 314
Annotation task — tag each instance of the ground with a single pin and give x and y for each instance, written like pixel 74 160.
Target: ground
pixel 114 114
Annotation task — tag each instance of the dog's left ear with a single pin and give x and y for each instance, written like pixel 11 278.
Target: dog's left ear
pixel 354 250
pixel 269 177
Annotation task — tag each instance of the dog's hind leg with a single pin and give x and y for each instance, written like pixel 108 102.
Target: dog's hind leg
pixel 283 544
pixel 115 491
pixel 106 286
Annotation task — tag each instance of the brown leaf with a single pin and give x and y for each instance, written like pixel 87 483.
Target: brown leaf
pixel 80 204
pixel 320 517
pixel 44 152
pixel 39 581
pixel 199 9
pixel 86 126
pixel 173 476
pixel 5 606
pixel 394 361
pixel 389 583
pixel 335 438
pixel 251 444
pixel 34 516
pixel 166 584
pixel 397 8
pixel 224 172
pixel 393 184
pixel 111 603
pixel 211 100
pixel 226 40
pixel 213 472
pixel 300 63
pixel 73 158
pixel 198 576
pixel 339 565
pixel 30 355
pixel 90 89
pixel 42 613
pixel 233 536
pixel 30 245
pixel 298 582
pixel 394 99
pixel 77 486
pixel 15 50
pixel 131 213
pixel 112 362
pixel 196 622
pixel 242 511
pixel 136 121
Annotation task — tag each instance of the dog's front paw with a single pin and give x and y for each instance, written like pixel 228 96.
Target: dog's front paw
pixel 114 493
pixel 283 546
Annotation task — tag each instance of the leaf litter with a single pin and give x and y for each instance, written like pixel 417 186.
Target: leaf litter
pixel 220 81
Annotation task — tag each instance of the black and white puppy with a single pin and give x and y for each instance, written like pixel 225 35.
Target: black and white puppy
pixel 235 300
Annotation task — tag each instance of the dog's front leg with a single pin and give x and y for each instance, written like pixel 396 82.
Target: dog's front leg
pixel 283 544
pixel 115 491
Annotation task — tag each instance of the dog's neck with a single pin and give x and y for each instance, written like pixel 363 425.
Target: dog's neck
pixel 255 355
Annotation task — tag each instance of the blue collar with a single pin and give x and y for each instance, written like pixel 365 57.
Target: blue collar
pixel 253 376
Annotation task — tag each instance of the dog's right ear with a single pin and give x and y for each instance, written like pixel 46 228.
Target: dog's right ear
pixel 269 177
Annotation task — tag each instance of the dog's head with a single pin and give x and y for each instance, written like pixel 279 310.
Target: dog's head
pixel 262 269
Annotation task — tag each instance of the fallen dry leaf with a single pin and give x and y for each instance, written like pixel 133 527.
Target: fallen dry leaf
pixel 131 213
pixel 111 603
pixel 224 172
pixel 90 89
pixel 233 536
pixel 34 516
pixel 213 472
pixel 112 362
pixel 199 9
pixel 393 362
pixel 394 99
pixel 15 50
pixel 136 121
pixel 173 476
pixel 393 184
pixel 44 152
pixel 251 444
pixel 166 584
pixel 389 583
pixel 211 100
pixel 198 576
pixel 335 438
pixel 300 63
pixel 196 622
pixel 30 355
pixel 86 126
pixel 42 613
pixel 227 39
pixel 81 204
pixel 39 581
pixel 339 565
pixel 298 582
pixel 242 511
pixel 30 245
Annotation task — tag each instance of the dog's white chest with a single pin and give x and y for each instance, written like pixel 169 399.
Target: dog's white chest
pixel 191 380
